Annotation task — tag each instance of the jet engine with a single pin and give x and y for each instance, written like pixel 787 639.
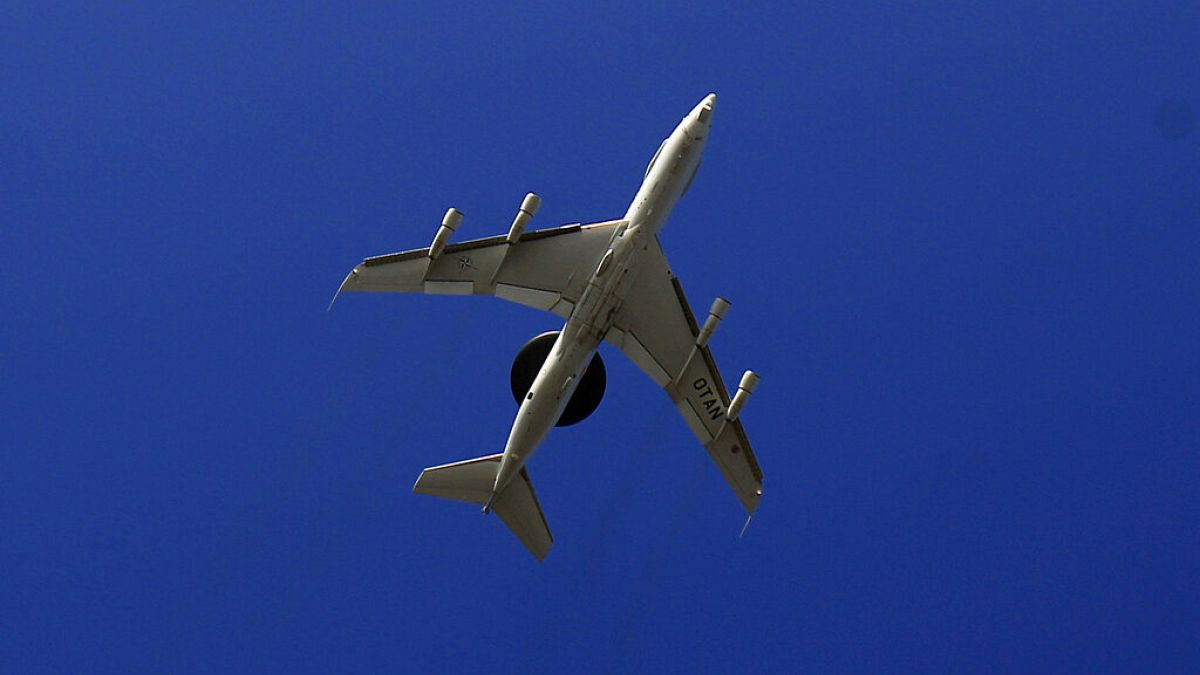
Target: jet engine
pixel 587 395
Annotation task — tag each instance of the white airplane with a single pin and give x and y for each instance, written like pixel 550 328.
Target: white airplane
pixel 610 281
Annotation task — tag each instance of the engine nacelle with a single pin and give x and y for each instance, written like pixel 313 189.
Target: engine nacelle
pixel 746 387
pixel 587 395
pixel 715 314
pixel 450 221
pixel 529 207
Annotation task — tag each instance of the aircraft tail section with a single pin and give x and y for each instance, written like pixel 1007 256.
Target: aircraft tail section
pixel 472 480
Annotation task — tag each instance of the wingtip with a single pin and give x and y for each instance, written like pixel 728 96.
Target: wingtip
pixel 342 287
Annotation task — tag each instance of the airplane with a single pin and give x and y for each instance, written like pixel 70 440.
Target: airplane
pixel 612 283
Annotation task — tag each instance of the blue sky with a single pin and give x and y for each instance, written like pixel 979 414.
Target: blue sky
pixel 962 247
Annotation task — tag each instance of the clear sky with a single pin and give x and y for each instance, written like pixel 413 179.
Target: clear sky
pixel 962 246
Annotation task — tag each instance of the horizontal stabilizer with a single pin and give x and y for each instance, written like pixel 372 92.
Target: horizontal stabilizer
pixel 518 507
pixel 472 480
pixel 467 481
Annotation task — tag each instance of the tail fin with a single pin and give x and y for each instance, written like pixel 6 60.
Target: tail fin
pixel 471 481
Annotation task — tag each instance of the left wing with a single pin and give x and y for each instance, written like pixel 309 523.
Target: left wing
pixel 545 269
pixel 655 328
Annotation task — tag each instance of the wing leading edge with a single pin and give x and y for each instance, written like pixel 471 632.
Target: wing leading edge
pixel 658 332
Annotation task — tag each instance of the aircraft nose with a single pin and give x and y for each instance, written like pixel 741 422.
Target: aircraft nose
pixel 704 109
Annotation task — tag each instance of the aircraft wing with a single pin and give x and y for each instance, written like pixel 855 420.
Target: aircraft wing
pixel 656 329
pixel 546 269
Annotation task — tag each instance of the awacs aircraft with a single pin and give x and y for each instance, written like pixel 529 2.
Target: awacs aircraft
pixel 611 282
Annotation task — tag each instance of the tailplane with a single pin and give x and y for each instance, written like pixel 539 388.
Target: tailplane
pixel 472 480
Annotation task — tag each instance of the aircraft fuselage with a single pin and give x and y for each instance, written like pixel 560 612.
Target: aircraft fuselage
pixel 667 178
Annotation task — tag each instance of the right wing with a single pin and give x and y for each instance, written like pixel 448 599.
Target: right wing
pixel 545 269
pixel 657 331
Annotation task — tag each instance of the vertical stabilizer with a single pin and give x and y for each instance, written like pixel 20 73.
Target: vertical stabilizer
pixel 471 481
